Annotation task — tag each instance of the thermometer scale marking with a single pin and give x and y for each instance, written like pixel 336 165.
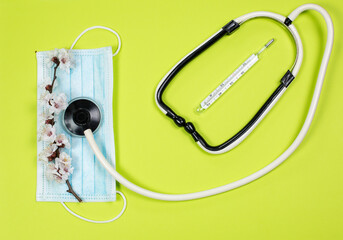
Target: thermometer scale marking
pixel 228 82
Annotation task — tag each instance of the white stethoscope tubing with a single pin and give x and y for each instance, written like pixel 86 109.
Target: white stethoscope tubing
pixel 283 156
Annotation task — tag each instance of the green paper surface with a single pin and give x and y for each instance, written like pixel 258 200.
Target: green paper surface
pixel 301 199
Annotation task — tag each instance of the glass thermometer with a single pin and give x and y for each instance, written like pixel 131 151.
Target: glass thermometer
pixel 239 72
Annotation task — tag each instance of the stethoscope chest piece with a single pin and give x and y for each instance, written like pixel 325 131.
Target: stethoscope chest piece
pixel 81 114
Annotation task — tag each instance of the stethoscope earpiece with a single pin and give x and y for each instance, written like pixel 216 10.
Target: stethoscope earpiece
pixel 81 114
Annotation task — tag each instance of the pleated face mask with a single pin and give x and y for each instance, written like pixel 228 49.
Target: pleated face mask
pixel 67 170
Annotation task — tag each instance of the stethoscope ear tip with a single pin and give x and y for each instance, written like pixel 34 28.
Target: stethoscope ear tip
pixel 80 115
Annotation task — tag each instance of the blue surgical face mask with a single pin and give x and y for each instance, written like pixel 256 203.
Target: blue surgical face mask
pixel 91 77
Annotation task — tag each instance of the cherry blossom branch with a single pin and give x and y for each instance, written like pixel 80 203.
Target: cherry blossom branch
pixel 58 162
pixel 70 188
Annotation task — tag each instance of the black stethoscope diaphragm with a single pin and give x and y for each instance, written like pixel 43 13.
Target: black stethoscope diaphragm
pixel 81 114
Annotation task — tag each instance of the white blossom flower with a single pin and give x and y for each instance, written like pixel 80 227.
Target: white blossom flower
pixel 51 55
pixel 47 133
pixel 58 103
pixel 47 152
pixel 52 172
pixel 46 115
pixel 62 141
pixel 65 60
pixel 66 172
pixel 64 159
pixel 45 98
pixel 61 169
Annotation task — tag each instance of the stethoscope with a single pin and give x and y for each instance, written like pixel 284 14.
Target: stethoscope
pixel 88 121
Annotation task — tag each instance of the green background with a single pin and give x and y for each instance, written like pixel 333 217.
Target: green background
pixel 301 199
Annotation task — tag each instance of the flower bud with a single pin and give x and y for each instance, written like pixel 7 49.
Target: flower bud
pixel 48 88
pixel 55 60
pixel 50 121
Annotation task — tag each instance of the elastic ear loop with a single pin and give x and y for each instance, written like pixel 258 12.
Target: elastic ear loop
pixel 95 221
pixel 100 27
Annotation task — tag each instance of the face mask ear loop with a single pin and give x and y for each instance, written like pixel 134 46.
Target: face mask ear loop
pixel 95 221
pixel 99 27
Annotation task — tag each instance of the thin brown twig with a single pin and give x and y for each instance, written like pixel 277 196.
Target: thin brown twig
pixel 55 76
pixel 70 190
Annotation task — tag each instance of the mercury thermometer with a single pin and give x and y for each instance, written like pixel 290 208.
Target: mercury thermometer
pixel 228 82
